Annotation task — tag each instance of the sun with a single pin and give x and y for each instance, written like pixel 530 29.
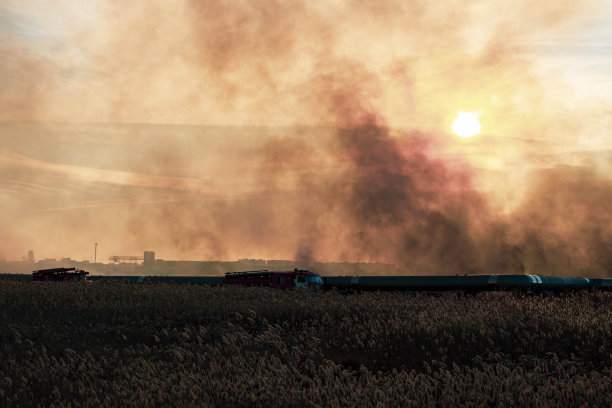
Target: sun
pixel 466 124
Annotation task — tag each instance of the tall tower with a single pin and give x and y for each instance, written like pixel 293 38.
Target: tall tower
pixel 30 256
pixel 149 258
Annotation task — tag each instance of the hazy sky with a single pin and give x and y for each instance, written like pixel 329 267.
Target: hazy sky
pixel 309 130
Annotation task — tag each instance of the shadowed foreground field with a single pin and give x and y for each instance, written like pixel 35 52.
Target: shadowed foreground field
pixel 115 344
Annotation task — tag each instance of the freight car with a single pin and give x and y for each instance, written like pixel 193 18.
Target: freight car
pixel 466 283
pixel 455 283
pixel 296 279
pixel 59 274
pixel 181 280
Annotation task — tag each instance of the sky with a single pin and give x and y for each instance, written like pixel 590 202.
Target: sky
pixel 309 130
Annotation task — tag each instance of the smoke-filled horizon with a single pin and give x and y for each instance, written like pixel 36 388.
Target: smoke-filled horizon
pixel 315 131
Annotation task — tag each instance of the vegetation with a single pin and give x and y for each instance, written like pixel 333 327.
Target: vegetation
pixel 116 344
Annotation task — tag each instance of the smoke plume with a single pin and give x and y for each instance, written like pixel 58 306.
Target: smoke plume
pixel 315 131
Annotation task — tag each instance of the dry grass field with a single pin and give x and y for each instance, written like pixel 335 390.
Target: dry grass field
pixel 114 344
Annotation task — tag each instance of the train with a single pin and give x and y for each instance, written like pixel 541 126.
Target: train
pixel 303 279
pixel 296 279
pixel 467 284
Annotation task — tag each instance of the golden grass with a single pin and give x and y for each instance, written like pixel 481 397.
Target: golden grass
pixel 112 344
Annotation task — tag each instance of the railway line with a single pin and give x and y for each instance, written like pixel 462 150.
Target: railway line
pixel 450 283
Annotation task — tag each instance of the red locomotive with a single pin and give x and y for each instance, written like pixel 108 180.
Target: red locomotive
pixel 296 279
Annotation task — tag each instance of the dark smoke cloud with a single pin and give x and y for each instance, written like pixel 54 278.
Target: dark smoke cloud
pixel 564 224
pixel 355 189
pixel 404 207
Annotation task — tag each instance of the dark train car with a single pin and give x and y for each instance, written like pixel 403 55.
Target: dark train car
pixel 188 280
pixel 120 278
pixel 296 279
pixel 454 283
pixel 466 283
pixel 601 284
pixel 183 280
pixel 59 275
pixel 556 283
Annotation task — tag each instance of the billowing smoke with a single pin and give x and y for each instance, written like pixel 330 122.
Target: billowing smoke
pixel 564 224
pixel 405 207
pixel 332 141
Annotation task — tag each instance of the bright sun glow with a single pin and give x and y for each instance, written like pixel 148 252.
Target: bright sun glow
pixel 466 124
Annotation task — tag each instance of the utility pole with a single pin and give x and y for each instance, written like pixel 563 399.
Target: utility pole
pixel 95 252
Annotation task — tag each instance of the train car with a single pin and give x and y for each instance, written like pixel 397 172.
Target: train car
pixel 181 280
pixel 467 283
pixel 602 283
pixel 59 274
pixel 296 279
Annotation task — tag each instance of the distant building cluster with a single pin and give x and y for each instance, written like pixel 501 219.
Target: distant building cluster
pixel 149 265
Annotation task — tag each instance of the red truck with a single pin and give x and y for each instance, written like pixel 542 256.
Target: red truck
pixel 296 279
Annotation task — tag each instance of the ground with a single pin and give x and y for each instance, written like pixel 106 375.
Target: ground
pixel 116 344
